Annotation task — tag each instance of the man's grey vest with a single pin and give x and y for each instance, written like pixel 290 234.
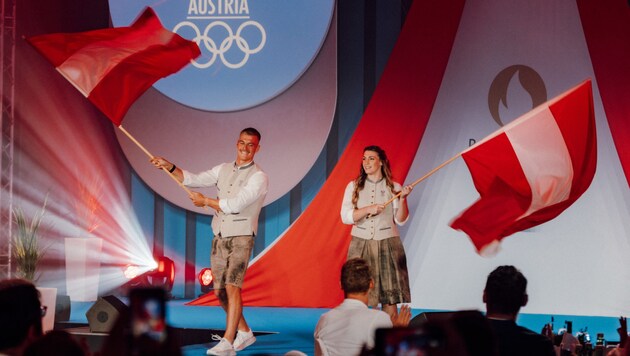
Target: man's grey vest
pixel 229 184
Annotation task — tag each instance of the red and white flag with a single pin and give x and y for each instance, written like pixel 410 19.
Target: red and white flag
pixel 532 169
pixel 113 67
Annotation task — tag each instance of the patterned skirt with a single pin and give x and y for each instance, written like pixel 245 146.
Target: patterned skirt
pixel 389 269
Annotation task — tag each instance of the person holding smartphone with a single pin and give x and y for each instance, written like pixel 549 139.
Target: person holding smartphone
pixel 148 314
pixel 242 186
pixel 350 327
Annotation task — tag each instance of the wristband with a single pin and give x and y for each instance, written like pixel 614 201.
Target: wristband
pixel 172 169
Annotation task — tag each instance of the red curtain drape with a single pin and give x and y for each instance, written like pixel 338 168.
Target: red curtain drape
pixel 302 268
pixel 606 27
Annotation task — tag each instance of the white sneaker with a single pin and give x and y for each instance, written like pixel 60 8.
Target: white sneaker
pixel 223 348
pixel 243 339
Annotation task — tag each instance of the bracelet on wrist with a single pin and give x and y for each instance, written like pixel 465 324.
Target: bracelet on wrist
pixel 172 169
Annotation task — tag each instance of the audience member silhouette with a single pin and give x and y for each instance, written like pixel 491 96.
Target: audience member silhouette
pixel 623 349
pixel 476 333
pixel 56 342
pixel 504 295
pixel 440 337
pixel 465 332
pixel 345 329
pixel 21 315
pixel 624 341
pixel 121 343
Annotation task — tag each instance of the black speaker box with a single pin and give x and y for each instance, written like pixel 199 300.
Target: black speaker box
pixel 62 308
pixel 103 314
pixel 422 318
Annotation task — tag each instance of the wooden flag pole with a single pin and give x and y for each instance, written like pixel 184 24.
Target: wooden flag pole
pixel 133 139
pixel 426 176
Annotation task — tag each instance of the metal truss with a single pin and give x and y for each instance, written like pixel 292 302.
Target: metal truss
pixel 7 92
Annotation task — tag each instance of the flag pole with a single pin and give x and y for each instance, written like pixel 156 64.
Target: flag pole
pixel 133 139
pixel 426 176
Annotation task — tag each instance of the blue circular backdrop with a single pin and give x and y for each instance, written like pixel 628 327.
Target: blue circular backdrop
pixel 251 50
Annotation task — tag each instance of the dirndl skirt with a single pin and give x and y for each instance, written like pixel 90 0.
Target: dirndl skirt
pixel 388 263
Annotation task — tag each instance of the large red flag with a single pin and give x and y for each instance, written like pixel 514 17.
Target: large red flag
pixel 531 170
pixel 113 67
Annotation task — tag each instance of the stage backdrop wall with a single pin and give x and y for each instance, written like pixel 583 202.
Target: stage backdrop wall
pixel 576 264
pixel 70 132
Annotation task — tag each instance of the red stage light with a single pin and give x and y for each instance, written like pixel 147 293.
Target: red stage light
pixel 164 274
pixel 161 276
pixel 205 279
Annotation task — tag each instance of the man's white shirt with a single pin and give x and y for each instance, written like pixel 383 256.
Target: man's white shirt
pixel 344 330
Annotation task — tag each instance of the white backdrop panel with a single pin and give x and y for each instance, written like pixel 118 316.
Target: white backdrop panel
pixel 577 263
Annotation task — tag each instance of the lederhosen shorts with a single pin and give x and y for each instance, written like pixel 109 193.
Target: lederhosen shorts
pixel 229 259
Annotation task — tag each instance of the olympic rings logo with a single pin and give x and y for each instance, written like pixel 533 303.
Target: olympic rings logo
pixel 226 43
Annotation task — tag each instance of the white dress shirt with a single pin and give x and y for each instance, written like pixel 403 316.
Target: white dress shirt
pixel 255 188
pixel 344 330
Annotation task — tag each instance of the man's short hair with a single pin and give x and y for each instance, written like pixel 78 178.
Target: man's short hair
pixel 20 309
pixel 252 132
pixel 355 276
pixel 505 290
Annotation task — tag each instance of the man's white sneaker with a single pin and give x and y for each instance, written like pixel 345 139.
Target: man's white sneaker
pixel 243 339
pixel 223 348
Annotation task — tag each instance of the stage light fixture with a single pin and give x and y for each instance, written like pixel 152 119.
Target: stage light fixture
pixel 131 271
pixel 136 277
pixel 164 274
pixel 205 280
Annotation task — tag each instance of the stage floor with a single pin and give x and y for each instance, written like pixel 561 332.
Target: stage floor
pixel 281 330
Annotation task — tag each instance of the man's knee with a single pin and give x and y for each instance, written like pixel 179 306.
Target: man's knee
pixel 232 291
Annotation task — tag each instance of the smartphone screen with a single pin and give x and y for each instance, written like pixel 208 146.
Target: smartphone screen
pixel 404 341
pixel 148 314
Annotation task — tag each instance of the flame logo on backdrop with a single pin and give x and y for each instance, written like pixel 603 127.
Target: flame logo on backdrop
pixel 529 79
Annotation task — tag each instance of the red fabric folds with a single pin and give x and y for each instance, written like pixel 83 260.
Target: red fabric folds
pixel 302 268
pixel 113 67
pixel 606 27
pixel 531 170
